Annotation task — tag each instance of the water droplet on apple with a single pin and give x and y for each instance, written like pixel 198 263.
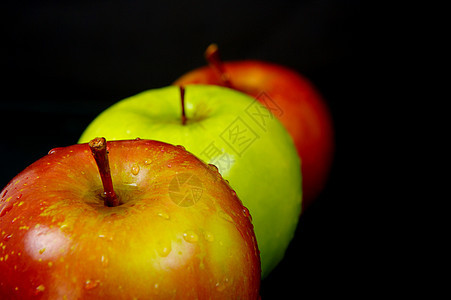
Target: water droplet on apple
pixel 135 169
pixel 246 213
pixel 164 250
pixel 39 290
pixel 147 161
pixel 137 139
pixel 7 237
pixel 52 151
pixel 221 286
pixel 233 193
pixel 104 260
pixel 91 284
pixel 213 168
pixel 7 208
pixel 209 236
pixel 163 215
pixel 190 236
pixel 181 147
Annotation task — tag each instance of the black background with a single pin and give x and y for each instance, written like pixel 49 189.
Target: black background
pixel 63 62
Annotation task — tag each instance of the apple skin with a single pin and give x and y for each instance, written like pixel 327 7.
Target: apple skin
pixel 58 240
pixel 265 175
pixel 297 104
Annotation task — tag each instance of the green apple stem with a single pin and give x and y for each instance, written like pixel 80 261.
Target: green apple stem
pixel 215 62
pixel 182 98
pixel 100 153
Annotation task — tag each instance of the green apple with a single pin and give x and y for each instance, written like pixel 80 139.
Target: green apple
pixel 231 130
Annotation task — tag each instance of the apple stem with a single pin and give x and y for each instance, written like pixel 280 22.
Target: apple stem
pixel 215 62
pixel 182 98
pixel 100 153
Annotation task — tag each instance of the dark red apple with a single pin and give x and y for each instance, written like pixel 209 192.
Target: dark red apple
pixel 162 225
pixel 291 97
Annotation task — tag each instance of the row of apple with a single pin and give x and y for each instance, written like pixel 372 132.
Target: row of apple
pixel 130 215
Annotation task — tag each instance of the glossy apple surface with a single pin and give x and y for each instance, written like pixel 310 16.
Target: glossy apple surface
pixel 180 232
pixel 294 100
pixel 231 130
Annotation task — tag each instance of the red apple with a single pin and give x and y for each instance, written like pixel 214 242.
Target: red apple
pixel 291 97
pixel 148 220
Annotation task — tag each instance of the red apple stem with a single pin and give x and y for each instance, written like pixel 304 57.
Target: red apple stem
pixel 100 153
pixel 182 98
pixel 215 62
